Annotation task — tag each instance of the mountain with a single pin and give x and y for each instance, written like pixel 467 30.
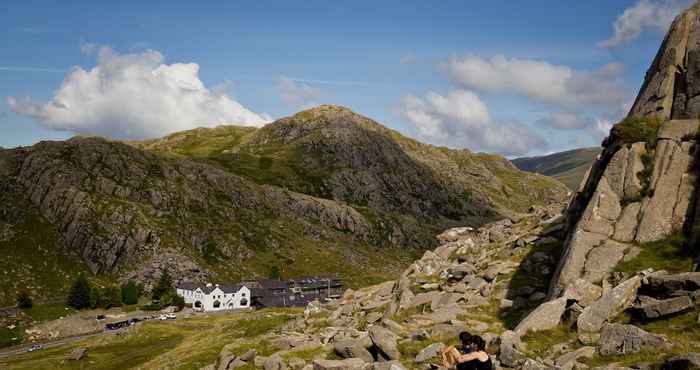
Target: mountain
pixel 305 194
pixel 568 167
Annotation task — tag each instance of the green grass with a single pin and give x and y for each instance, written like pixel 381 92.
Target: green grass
pixel 539 343
pixel 10 337
pixel 182 344
pixel 31 261
pixel 668 254
pixel 46 312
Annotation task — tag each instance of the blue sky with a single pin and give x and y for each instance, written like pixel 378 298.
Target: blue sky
pixel 490 76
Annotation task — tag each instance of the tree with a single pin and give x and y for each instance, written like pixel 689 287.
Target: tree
pixel 164 285
pixel 130 293
pixel 79 295
pixel 95 297
pixel 172 299
pixel 23 300
pixel 274 273
pixel 112 297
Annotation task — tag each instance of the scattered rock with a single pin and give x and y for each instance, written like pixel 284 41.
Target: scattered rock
pixel 351 349
pixel 608 306
pixel 77 354
pixel 617 339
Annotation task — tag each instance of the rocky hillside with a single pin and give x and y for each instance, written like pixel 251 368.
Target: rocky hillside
pixel 568 167
pixel 304 201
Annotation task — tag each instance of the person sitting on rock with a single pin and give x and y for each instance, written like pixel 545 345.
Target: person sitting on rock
pixel 451 353
pixel 475 359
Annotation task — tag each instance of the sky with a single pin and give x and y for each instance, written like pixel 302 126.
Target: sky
pixel 514 78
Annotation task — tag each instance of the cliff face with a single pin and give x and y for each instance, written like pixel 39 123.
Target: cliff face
pixel 671 88
pixel 642 188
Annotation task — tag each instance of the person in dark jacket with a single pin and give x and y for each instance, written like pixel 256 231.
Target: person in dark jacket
pixel 475 359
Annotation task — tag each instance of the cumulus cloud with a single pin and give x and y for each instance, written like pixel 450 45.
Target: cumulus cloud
pixel 134 96
pixel 461 119
pixel 539 80
pixel 655 15
pixel 298 94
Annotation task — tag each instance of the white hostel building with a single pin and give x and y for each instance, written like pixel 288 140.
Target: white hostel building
pixel 215 297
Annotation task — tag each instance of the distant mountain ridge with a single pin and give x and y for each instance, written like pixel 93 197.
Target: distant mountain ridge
pixel 324 191
pixel 568 167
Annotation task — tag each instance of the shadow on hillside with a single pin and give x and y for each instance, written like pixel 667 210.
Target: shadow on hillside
pixel 529 284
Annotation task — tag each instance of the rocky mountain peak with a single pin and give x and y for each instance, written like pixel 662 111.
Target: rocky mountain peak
pixel 671 88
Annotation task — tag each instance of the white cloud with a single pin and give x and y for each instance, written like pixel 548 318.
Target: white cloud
pixel 298 94
pixel 564 120
pixel 655 15
pixel 135 96
pixel 461 119
pixel 540 80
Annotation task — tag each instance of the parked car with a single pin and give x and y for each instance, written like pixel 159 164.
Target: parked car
pixel 35 347
pixel 170 316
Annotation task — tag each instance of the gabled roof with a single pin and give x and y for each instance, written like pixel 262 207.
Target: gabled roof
pixel 227 289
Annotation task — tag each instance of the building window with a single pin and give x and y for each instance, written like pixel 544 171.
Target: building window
pixel 217 304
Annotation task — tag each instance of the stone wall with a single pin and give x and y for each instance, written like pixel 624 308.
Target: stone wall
pixel 617 215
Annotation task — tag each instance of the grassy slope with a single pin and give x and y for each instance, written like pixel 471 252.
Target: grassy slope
pixel 181 344
pixel 568 167
pixel 31 262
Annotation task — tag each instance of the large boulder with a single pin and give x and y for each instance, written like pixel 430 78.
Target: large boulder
pixel 659 284
pixel 352 349
pixel 428 353
pixel 546 316
pixel 655 309
pixel 385 341
pixel 608 306
pixel 510 354
pixel 568 360
pixel 347 364
pixel 583 291
pixel 617 339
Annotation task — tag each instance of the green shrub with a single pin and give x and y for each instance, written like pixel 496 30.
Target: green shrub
pixel 634 129
pixel 153 306
pixel 130 293
pixel 23 300
pixel 646 174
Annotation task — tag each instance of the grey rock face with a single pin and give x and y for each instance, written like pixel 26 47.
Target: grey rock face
pixel 567 361
pixel 510 354
pixel 603 259
pixel 616 339
pixel 669 84
pixel 671 163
